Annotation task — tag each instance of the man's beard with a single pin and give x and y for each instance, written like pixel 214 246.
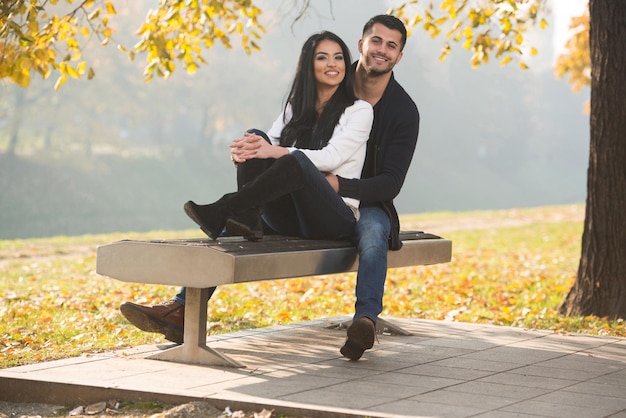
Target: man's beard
pixel 375 72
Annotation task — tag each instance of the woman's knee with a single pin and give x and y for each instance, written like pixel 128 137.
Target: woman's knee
pixel 300 157
pixel 259 133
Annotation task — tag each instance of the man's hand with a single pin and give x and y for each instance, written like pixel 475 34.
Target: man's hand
pixel 332 180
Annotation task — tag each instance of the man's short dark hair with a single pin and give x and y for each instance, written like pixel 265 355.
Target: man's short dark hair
pixel 388 21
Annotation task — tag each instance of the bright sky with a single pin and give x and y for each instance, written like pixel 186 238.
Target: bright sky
pixel 563 11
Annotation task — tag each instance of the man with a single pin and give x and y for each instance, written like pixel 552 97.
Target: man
pixel 390 150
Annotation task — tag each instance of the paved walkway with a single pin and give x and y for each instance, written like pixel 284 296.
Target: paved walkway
pixel 444 369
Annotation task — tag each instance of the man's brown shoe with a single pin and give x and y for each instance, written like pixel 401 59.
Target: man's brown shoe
pixel 361 336
pixel 167 318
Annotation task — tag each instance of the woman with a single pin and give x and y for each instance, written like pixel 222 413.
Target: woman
pixel 322 129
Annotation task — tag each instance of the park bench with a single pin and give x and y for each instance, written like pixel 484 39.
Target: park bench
pixel 201 263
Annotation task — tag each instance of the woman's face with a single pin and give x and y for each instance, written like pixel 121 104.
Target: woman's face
pixel 329 66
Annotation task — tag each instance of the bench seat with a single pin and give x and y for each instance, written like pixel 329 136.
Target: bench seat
pixel 201 263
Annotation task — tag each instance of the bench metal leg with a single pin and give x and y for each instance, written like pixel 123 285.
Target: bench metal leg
pixel 194 349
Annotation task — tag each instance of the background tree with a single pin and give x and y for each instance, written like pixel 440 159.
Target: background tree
pixel 34 38
pixel 497 28
pixel 600 287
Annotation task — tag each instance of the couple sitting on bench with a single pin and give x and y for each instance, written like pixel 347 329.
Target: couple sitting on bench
pixel 329 168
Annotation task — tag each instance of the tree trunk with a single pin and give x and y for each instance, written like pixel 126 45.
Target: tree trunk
pixel 600 287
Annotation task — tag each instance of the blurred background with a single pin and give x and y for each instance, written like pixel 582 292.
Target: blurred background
pixel 118 154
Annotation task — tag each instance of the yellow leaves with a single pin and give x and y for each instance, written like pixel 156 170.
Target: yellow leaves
pixel 24 64
pixel 174 32
pixel 576 60
pixel 506 25
pixel 283 316
pixel 68 70
pixel 33 26
pixel 94 15
pixel 440 21
pixel 486 29
pixel 60 81
pixel 445 51
pixel 450 7
pixel 21 70
pixel 106 33
pixel 416 19
pixel 41 50
pixel 110 8
pixel 455 29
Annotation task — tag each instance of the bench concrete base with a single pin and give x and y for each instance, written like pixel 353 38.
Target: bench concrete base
pixel 199 264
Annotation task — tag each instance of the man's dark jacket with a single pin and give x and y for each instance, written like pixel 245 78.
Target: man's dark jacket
pixel 390 150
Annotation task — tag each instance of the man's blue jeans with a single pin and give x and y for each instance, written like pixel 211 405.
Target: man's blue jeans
pixel 372 240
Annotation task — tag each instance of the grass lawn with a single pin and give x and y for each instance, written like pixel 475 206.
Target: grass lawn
pixel 510 268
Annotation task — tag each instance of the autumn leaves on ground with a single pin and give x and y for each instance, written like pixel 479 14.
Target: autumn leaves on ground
pixel 509 268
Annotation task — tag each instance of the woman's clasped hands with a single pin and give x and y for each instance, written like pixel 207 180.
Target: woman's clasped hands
pixel 251 145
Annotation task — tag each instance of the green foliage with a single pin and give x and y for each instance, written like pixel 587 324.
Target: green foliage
pixel 493 28
pixel 54 305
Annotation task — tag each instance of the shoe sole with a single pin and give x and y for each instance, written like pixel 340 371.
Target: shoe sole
pixel 191 212
pixel 361 335
pixel 351 351
pixel 147 323
pixel 239 229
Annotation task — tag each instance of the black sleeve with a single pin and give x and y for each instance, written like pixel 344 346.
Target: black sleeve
pixel 396 145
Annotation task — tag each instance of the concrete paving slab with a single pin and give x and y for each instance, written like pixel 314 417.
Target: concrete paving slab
pixel 410 407
pixel 443 369
pixel 459 399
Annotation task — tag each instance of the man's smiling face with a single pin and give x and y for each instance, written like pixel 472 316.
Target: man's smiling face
pixel 381 49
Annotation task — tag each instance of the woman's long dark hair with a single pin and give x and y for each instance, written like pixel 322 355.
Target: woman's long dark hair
pixel 304 129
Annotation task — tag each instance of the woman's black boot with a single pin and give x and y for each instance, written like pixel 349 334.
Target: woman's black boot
pixel 247 224
pixel 211 218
